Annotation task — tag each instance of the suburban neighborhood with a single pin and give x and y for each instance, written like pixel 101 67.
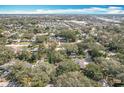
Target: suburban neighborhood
pixel 61 50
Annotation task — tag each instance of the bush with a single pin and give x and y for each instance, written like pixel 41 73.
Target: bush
pixel 37 76
pixel 93 71
pixel 121 77
pixel 26 56
pixel 20 73
pixel 70 36
pixel 74 79
pixel 5 55
pixel 41 39
pixel 70 48
pixel 67 66
pixel 55 57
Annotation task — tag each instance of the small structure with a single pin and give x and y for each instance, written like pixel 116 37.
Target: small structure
pixel 61 39
pixel 72 55
pixel 104 83
pixel 81 62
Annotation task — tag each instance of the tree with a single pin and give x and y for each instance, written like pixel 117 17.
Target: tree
pixel 70 48
pixel 81 48
pixel 56 57
pixel 112 46
pixel 95 53
pixel 67 66
pixel 120 57
pixel 5 55
pixel 51 51
pixel 93 71
pixel 121 77
pixel 3 40
pixel 37 76
pixel 36 30
pixel 74 79
pixel 20 73
pixel 25 56
pixel 42 74
pixel 41 39
pixel 42 51
pixel 27 35
pixel 1 31
pixel 70 36
pixel 110 69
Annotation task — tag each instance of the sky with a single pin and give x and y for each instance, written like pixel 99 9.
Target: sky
pixel 61 9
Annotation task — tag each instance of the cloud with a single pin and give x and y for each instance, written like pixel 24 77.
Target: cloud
pixel 91 10
pixel 115 8
pixel 58 11
pixel 116 12
pixel 94 9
